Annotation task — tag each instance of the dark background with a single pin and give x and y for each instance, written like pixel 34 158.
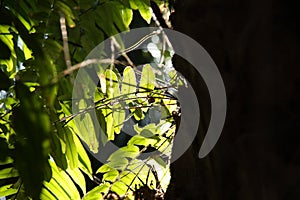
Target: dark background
pixel 256 47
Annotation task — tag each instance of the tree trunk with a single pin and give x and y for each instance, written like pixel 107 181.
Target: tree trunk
pixel 256 47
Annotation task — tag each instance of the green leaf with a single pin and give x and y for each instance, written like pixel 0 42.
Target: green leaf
pixel 109 126
pixel 102 122
pixel 129 84
pixel 7 160
pixel 71 150
pixel 85 127
pixel 105 19
pixel 138 114
pixel 111 175
pixel 104 168
pixel 8 173
pixel 140 169
pixel 54 49
pixel 170 104
pixel 127 16
pixel 67 12
pixel 7 190
pixel 130 179
pixel 119 164
pixel 45 194
pixel 78 178
pixel 62 180
pixel 144 8
pixel 147 133
pixel 121 16
pixel 129 151
pixel 140 140
pixel 119 188
pixel 112 84
pixel 151 127
pixel 57 152
pixel 55 188
pixel 147 82
pixel 96 193
pixel 118 117
pixel 84 161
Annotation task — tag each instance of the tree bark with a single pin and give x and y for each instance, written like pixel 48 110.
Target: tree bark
pixel 256 47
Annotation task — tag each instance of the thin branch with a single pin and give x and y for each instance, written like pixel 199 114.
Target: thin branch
pixel 141 41
pixel 161 28
pixel 113 40
pixel 86 63
pixel 112 47
pixel 64 35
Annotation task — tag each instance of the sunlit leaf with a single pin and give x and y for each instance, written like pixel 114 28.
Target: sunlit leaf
pixel 118 117
pixel 78 178
pixel 140 140
pixel 111 175
pixel 71 150
pixel 138 114
pixel 96 193
pixel 62 182
pixel 84 161
pixel 119 188
pixel 109 126
pixel 144 8
pixel 85 127
pixel 112 84
pixel 67 11
pixel 130 179
pixel 151 127
pixel 8 160
pixel 46 194
pixel 129 151
pixel 147 83
pixel 129 84
pixel 121 16
pixel 127 16
pixel 8 173
pixel 104 168
pixel 7 190
pixel 55 188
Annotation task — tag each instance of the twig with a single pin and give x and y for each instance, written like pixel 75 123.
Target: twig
pixel 122 53
pixel 161 28
pixel 86 63
pixel 141 41
pixel 64 35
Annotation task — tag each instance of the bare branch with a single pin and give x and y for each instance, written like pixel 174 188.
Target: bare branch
pixel 64 35
pixel 113 40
